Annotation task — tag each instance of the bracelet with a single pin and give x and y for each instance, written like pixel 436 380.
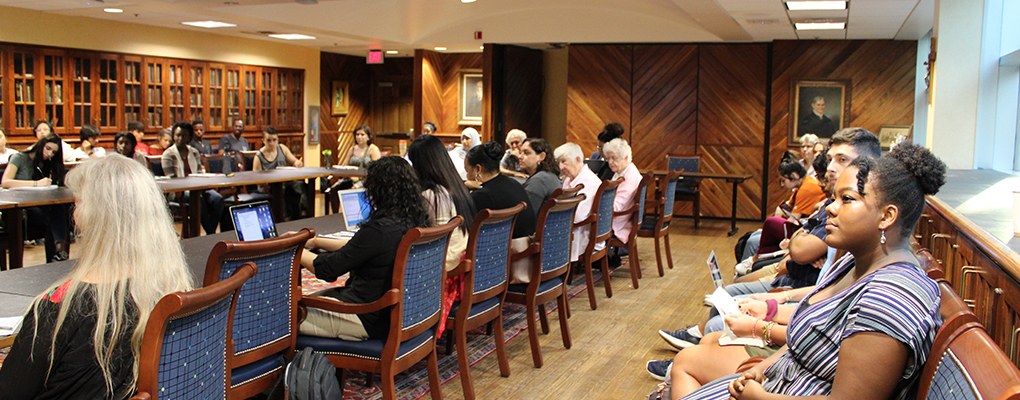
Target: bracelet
pixel 764 331
pixel 773 308
pixel 789 298
pixel 768 335
pixel 754 328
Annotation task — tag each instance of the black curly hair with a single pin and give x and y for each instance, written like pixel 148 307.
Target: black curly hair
pixel 394 193
pixel 821 163
pixel 488 155
pixel 902 178
pixel 435 169
pixel 612 131
pixel 539 145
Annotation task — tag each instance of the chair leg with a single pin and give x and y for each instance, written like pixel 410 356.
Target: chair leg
pixel 389 387
pixel 433 367
pixel 462 358
pixel 669 252
pixel 536 352
pixel 563 311
pixel 504 363
pixel 658 256
pixel 635 269
pixel 543 317
pixel 449 340
pixel 608 283
pixel 590 282
pixel 565 296
pixel 697 210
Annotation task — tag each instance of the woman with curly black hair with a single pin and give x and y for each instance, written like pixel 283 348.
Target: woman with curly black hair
pixel 538 162
pixel 397 207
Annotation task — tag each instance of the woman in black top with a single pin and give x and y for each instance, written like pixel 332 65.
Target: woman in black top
pixel 498 191
pixel 397 207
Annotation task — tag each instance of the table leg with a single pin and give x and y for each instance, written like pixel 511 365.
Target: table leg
pixel 276 200
pixel 15 237
pixel 193 224
pixel 733 216
pixel 310 197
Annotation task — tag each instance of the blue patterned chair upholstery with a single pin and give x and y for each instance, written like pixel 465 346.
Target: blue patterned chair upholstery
pixel 600 222
pixel 657 225
pixel 485 270
pixel 550 263
pixel 266 320
pixel 637 216
pixel 687 188
pixel 185 348
pixel 966 364
pixel 415 303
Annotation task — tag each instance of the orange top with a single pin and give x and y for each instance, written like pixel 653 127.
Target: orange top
pixel 806 196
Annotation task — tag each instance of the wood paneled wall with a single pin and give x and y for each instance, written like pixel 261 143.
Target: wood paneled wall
pixel 714 100
pixel 440 77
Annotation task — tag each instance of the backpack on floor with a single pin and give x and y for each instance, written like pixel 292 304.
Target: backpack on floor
pixel 738 249
pixel 310 376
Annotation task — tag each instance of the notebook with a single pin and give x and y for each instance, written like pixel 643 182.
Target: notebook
pixel 253 221
pixel 354 205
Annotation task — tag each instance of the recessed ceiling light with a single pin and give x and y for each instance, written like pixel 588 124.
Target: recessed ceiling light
pixel 807 26
pixel 815 5
pixel 292 36
pixel 208 24
pixel 440 48
pixel 481 47
pixel 392 52
pixel 113 10
pixel 467 1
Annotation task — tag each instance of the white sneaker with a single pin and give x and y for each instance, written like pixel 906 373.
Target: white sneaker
pixel 708 300
pixel 744 267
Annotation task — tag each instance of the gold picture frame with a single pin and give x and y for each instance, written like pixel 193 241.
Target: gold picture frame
pixel 834 111
pixel 889 135
pixel 469 98
pixel 340 98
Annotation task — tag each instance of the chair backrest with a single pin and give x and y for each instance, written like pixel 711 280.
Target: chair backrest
pixel 419 271
pixel 642 195
pixel 489 249
pixel 928 263
pixel 965 363
pixel 246 159
pixel 686 163
pixel 185 346
pixel 669 192
pixel 561 193
pixel 155 165
pixel 952 306
pixel 603 206
pixel 213 163
pixel 555 220
pixel 265 322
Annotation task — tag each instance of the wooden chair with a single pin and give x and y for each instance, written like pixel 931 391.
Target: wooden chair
pixel 927 263
pixel 214 163
pixel 600 228
pixel 185 348
pixel 415 302
pixel 637 216
pixel 656 226
pixel 953 307
pixel 965 363
pixel 155 165
pixel 266 320
pixel 562 194
pixel 485 281
pixel 687 188
pixel 550 263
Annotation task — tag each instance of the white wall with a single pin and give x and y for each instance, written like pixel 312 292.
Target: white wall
pixel 958 28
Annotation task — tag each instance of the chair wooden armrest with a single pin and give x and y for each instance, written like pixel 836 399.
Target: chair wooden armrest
pixel 390 298
pixel 463 267
pixel 633 208
pixel 142 396
pixel 749 363
pixel 528 252
pixel 7 341
pixel 590 219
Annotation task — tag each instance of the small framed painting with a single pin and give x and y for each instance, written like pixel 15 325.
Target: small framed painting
pixel 469 104
pixel 341 98
pixel 890 135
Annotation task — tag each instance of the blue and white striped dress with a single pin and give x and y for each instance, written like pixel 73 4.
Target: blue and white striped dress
pixel 898 300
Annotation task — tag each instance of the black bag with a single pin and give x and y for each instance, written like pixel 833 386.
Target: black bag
pixel 738 250
pixel 310 376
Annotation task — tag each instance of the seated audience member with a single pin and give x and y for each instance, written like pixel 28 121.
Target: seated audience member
pixel 428 128
pixel 124 144
pixel 510 165
pixel 612 131
pixel 538 162
pixel 468 138
pixel 81 338
pixel 273 155
pixel 364 151
pixel 42 128
pixel 89 147
pixel 496 192
pixel 866 329
pixel 138 130
pixel 806 194
pixel 569 158
pixel 445 197
pixel 199 143
pixel 163 141
pixel 5 153
pixel 181 160
pixel 231 143
pixel 617 153
pixel 397 206
pixel 39 166
pixel 808 153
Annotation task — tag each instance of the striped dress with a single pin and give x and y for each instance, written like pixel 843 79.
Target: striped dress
pixel 897 300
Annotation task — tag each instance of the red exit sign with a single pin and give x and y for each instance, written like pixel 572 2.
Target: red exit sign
pixel 375 57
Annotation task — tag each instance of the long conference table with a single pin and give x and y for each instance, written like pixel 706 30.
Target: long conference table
pixel 19 286
pixel 13 200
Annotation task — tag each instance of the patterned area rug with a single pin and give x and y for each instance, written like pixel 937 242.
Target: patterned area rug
pixel 413 383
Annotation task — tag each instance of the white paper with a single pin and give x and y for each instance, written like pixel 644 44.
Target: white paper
pixel 9 325
pixel 34 188
pixel 727 306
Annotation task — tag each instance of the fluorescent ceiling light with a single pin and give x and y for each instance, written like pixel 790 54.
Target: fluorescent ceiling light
pixel 808 26
pixel 392 52
pixel 208 24
pixel 441 48
pixel 815 5
pixel 467 1
pixel 292 36
pixel 113 10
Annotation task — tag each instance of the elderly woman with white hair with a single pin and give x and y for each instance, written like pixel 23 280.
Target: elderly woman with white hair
pixel 468 138
pixel 807 150
pixel 570 159
pixel 510 165
pixel 617 153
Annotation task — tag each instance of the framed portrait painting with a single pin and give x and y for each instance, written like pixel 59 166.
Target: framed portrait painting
pixel 890 135
pixel 313 125
pixel 819 107
pixel 341 98
pixel 469 104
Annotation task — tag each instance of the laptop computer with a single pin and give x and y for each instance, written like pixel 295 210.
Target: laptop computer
pixel 354 205
pixel 253 221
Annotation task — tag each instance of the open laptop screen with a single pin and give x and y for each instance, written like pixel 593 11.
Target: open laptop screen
pixel 253 221
pixel 354 205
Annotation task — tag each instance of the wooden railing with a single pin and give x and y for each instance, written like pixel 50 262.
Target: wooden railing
pixel 981 269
